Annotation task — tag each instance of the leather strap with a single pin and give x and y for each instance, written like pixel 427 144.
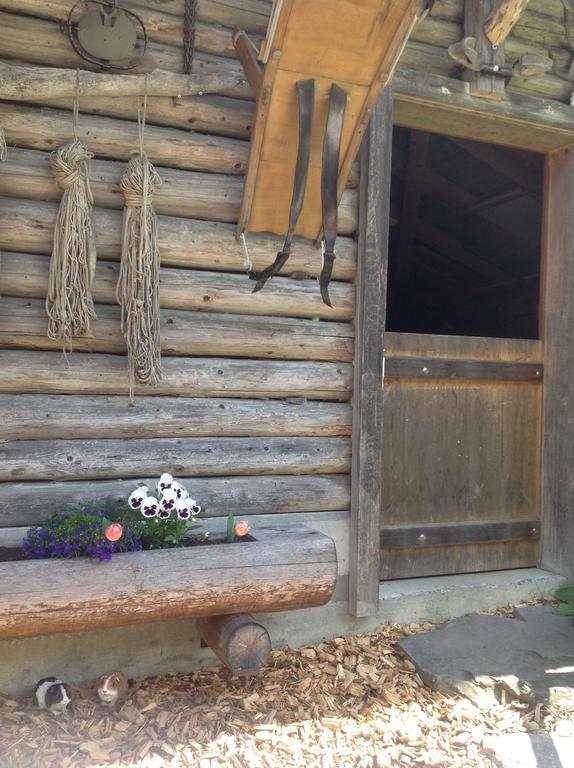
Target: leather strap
pixel 329 179
pixel 305 99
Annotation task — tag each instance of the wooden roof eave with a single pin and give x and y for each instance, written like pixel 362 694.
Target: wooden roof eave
pixel 444 105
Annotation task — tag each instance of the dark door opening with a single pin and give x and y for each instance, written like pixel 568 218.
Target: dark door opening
pixel 464 256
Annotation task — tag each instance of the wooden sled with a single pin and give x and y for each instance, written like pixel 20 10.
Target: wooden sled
pixel 354 43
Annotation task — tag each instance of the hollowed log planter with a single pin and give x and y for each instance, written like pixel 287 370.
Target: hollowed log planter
pixel 284 568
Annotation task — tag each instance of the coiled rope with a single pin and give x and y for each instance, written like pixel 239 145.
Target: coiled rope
pixel 138 283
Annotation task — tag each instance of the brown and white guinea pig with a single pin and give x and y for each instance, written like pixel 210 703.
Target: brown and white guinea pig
pixel 52 694
pixel 112 687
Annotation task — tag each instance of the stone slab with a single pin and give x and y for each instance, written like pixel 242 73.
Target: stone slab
pixel 530 655
pixel 526 750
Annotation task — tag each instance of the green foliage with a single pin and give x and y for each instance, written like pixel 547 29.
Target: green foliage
pixel 165 534
pixel 566 596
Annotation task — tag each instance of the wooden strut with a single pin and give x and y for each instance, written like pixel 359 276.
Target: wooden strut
pixel 38 83
pixel 237 640
pixel 502 19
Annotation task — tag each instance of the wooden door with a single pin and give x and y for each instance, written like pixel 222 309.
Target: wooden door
pixel 461 445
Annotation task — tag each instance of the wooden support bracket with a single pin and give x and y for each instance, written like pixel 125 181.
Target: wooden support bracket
pixel 237 640
pixel 247 52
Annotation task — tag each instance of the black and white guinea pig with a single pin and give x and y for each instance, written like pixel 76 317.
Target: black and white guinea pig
pixel 112 687
pixel 51 693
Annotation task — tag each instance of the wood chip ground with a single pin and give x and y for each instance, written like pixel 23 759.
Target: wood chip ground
pixel 353 701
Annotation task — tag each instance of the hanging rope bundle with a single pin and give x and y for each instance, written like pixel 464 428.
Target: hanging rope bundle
pixel 138 283
pixel 69 302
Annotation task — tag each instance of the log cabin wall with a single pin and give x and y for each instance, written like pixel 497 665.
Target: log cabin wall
pixel 253 411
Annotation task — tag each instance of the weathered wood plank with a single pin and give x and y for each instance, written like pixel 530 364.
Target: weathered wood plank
pixel 460 451
pixel 463 347
pixel 557 546
pixel 23 325
pixel 458 533
pixel 295 568
pixel 37 417
pixel 26 276
pixel 496 556
pixel 46 129
pixel 368 370
pixel 215 197
pixel 28 226
pixel 469 370
pixel 112 458
pixel 85 373
pixel 440 104
pixel 24 504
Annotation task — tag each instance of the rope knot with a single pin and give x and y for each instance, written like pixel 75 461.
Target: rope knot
pixel 70 163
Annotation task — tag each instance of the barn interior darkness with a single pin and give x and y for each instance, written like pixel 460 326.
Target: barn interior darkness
pixel 464 255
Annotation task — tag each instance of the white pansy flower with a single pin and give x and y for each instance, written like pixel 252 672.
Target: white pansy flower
pixel 136 497
pixel 150 506
pixel 168 500
pixel 165 481
pixel 183 509
pixel 194 506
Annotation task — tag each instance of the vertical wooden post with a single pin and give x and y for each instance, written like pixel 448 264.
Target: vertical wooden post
pixel 557 500
pixel 483 85
pixel 374 214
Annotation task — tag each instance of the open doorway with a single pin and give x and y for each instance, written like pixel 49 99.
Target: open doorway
pixel 464 255
pixel 463 373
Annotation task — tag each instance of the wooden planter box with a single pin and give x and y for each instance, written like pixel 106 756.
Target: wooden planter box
pixel 286 567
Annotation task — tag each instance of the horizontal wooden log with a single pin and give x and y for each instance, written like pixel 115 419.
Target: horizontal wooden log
pixel 26 275
pixel 46 129
pixel 52 48
pixel 24 323
pixel 83 373
pixel 216 197
pixel 24 504
pixel 286 568
pixel 105 459
pixel 465 532
pixel 212 30
pixel 28 226
pixel 470 370
pixel 239 642
pixel 218 115
pixel 37 417
pixel 20 83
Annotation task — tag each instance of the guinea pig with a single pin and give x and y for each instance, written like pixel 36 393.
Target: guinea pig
pixel 52 694
pixel 112 687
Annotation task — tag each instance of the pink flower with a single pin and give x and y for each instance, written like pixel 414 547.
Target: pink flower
pixel 114 532
pixel 242 528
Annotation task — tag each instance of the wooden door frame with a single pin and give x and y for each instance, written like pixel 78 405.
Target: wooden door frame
pixel 444 105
